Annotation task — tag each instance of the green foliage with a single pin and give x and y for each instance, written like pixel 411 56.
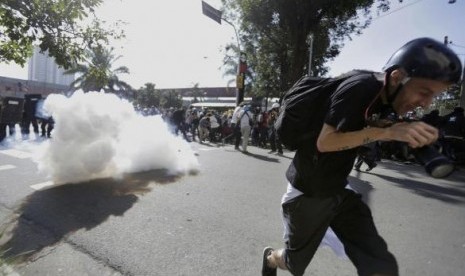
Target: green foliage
pixel 274 34
pixel 56 26
pixel 97 74
pixel 448 100
pixel 148 96
pixel 197 93
pixel 170 98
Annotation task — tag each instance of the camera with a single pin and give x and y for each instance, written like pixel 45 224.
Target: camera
pixel 435 164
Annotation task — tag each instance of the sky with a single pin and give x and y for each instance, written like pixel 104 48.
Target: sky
pixel 172 44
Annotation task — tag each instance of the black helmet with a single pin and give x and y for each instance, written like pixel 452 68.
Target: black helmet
pixel 427 58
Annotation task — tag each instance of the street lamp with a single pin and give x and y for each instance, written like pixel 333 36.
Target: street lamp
pixel 216 15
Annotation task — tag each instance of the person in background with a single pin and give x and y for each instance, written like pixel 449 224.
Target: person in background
pixel 433 118
pixel 245 121
pixel 227 128
pixel 179 121
pixel 194 124
pixel 454 123
pixel 204 127
pixel 367 154
pixel 275 143
pixel 46 127
pixel 4 125
pixel 214 126
pixel 235 124
pixel 453 139
pixel 255 133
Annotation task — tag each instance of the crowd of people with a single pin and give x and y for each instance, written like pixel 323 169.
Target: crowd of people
pixel 243 126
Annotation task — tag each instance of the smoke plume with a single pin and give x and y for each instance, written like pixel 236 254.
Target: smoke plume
pixel 98 135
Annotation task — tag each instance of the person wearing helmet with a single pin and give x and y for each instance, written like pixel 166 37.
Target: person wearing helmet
pixel 317 198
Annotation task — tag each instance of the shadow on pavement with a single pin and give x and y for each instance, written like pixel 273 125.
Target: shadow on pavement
pixel 288 157
pixel 262 157
pixel 48 216
pixel 209 144
pixel 435 191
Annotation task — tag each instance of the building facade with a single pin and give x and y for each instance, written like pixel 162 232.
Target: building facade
pixel 11 87
pixel 42 68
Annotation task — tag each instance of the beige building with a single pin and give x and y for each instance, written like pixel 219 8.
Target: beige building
pixel 42 68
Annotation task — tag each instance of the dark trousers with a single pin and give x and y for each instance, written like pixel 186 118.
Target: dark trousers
pixel 46 128
pixel 454 148
pixel 263 140
pixel 367 155
pixel 275 143
pixel 25 124
pixel 194 131
pixel 237 136
pixel 3 133
pixel 307 218
pixel 181 127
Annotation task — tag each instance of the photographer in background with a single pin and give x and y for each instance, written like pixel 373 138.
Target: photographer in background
pixel 316 196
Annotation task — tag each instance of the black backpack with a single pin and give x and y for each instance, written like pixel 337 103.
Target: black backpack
pixel 304 107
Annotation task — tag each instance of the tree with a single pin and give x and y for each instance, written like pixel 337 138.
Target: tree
pixel 170 98
pixel 197 93
pixel 274 34
pixel 57 26
pixel 147 96
pixel 448 100
pixel 97 73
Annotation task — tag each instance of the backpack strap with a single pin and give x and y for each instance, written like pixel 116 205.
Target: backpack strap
pixel 245 113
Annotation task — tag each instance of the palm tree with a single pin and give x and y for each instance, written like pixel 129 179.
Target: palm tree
pixel 97 74
pixel 230 63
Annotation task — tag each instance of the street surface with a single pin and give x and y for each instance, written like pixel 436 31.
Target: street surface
pixel 214 223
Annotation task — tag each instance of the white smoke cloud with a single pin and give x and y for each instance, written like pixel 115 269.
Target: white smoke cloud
pixel 98 135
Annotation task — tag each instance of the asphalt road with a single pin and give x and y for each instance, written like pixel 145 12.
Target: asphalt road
pixel 216 222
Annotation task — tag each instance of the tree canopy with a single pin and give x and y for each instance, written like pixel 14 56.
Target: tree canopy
pixel 54 25
pixel 147 97
pixel 274 34
pixel 97 73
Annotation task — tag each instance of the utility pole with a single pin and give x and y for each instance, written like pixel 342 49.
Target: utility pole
pixel 310 53
pixel 462 90
pixel 462 87
pixel 217 16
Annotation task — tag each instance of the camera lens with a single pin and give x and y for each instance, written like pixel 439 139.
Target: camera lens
pixel 435 164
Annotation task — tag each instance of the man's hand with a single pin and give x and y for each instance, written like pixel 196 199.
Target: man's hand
pixel 416 134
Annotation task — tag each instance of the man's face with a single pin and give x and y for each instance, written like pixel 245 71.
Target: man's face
pixel 417 92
